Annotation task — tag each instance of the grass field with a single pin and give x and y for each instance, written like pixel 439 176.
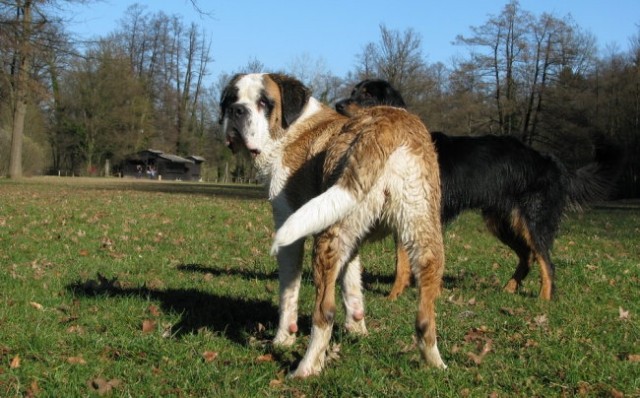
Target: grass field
pixel 145 289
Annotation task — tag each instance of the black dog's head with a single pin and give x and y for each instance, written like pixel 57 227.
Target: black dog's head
pixel 370 92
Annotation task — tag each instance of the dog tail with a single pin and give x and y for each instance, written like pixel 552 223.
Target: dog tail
pixel 596 181
pixel 314 216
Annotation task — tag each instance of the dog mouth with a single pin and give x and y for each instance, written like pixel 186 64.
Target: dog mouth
pixel 235 142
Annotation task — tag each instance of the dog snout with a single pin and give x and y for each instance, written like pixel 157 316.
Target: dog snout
pixel 237 111
pixel 340 106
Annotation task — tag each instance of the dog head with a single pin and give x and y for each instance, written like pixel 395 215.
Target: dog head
pixel 258 108
pixel 370 92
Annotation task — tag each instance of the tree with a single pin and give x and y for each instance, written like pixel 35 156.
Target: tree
pixel 27 24
pixel 22 48
pixel 172 61
pixel 105 108
pixel 521 55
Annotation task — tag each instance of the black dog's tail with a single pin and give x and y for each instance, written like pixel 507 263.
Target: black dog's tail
pixel 596 180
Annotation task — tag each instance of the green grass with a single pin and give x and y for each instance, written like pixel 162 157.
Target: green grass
pixel 84 264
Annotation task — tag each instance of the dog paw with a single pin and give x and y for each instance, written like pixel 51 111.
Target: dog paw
pixel 511 286
pixel 356 327
pixel 302 372
pixel 284 339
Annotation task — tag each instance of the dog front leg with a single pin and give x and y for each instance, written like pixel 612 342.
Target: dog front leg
pixel 289 275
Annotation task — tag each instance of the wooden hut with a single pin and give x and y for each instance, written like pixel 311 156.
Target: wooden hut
pixel 154 164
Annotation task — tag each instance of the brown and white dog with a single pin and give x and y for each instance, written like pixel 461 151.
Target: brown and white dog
pixel 338 178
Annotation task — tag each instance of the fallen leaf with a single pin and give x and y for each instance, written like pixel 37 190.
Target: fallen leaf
pixel 541 320
pixel 167 330
pixel 148 326
pixel 633 358
pixel 624 314
pixel 15 362
pixel 103 386
pixel 154 310
pixel 76 361
pixel 35 305
pixel 209 356
pixel 265 358
pixel 476 334
pixel 616 394
pixel 33 389
pixel 507 311
pixel 275 383
pixel 478 358
pixel 278 381
pixel 75 329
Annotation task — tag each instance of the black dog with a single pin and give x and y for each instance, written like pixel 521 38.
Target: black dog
pixel 521 192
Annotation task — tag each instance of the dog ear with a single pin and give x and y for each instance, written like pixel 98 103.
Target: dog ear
pixel 229 95
pixel 295 96
pixel 393 97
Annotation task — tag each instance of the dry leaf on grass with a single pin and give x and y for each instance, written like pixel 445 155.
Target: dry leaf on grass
pixel 624 314
pixel 277 382
pixel 154 310
pixel 103 386
pixel 265 358
pixel 148 326
pixel 616 393
pixel 209 356
pixel 478 358
pixel 37 306
pixel 33 389
pixel 15 362
pixel 76 360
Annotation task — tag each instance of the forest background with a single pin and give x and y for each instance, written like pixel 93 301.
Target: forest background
pixel 70 108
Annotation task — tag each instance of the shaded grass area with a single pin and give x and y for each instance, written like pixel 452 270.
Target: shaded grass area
pixel 137 288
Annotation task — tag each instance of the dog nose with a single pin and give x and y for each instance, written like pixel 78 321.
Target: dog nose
pixel 340 106
pixel 237 110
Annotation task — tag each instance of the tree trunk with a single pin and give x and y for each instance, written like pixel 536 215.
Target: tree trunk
pixel 17 134
pixel 21 69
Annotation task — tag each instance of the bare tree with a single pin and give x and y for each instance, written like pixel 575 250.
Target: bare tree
pixel 27 23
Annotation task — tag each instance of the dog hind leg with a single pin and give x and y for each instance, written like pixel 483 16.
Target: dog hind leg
pixel 352 297
pixel 331 253
pixel 418 225
pixel 428 261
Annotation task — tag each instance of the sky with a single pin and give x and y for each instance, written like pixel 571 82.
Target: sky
pixel 279 32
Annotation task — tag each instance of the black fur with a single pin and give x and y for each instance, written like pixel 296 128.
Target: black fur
pixel 521 192
pixel 294 97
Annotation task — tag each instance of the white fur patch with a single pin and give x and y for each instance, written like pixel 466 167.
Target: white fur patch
pixel 256 132
pixel 315 216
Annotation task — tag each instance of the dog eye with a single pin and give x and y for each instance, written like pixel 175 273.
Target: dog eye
pixel 264 102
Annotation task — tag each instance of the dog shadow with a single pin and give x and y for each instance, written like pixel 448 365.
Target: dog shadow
pixel 216 271
pixel 236 318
